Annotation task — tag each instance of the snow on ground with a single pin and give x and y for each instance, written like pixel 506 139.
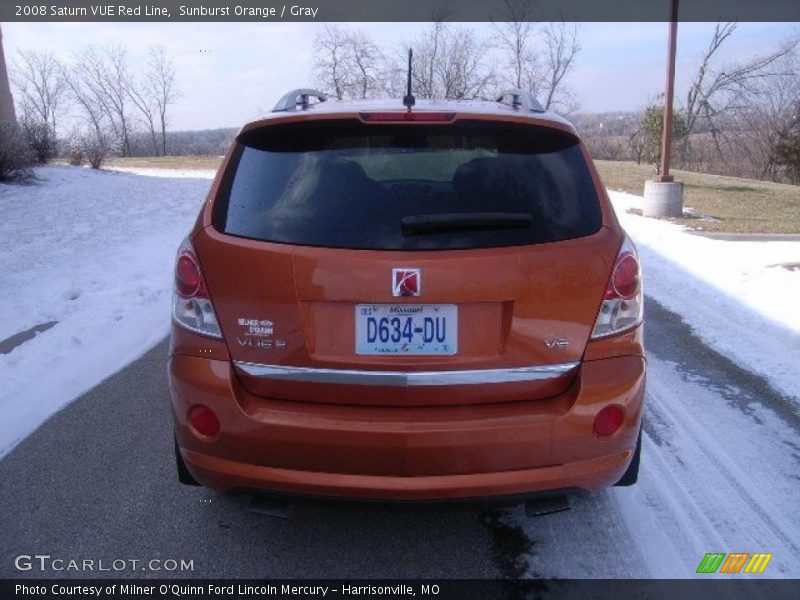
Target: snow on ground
pixel 93 251
pixel 169 173
pixel 733 294
pixel 719 474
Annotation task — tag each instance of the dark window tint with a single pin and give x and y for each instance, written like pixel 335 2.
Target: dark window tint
pixel 408 187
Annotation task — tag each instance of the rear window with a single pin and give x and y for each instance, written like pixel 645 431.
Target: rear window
pixel 407 187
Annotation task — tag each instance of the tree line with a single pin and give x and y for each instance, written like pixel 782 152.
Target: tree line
pixel 739 118
pixel 453 61
pixel 109 100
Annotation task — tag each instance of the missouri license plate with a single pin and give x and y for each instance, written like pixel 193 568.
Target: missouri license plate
pixel 406 328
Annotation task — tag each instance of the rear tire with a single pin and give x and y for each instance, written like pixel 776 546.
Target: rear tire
pixel 631 475
pixel 184 476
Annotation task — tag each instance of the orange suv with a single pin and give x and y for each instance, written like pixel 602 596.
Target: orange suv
pixel 407 303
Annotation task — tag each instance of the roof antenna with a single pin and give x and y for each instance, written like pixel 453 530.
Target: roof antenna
pixel 408 99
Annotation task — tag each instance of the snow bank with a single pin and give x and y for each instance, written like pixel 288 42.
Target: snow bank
pixel 93 251
pixel 169 173
pixel 731 293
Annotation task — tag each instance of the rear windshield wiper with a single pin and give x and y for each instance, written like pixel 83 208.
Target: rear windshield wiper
pixel 421 224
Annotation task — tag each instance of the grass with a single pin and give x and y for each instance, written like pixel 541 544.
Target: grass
pixel 167 162
pixel 739 205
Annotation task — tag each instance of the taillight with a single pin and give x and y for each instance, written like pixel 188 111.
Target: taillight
pixel 191 306
pixel 623 300
pixel 188 280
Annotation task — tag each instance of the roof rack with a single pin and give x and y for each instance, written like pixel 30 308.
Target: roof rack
pixel 299 97
pixel 520 99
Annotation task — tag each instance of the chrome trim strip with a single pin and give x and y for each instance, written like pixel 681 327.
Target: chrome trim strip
pixel 406 378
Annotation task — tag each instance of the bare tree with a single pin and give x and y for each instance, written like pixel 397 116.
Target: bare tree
pixel 40 84
pixel 366 64
pixel 427 54
pixel 109 95
pixel 330 65
pixel 514 36
pixel 463 72
pixel 449 62
pixel 718 92
pixel 348 63
pixel 142 98
pixel 539 57
pixel 562 47
pixel 105 75
pixel 93 111
pixel 160 78
pixel 41 91
pixel 770 111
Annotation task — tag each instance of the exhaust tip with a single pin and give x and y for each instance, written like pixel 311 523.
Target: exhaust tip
pixel 546 505
pixel 268 507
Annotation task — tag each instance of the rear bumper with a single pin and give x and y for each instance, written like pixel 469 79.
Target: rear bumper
pixel 591 475
pixel 405 454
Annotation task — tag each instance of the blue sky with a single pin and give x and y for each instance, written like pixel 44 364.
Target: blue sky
pixel 231 72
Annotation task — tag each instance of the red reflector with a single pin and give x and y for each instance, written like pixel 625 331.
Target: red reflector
pixel 408 116
pixel 608 420
pixel 204 420
pixel 187 276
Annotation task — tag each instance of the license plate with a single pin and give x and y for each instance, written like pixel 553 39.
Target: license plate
pixel 406 329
